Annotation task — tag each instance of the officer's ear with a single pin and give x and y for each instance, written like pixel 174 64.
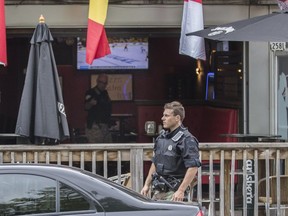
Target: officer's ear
pixel 178 118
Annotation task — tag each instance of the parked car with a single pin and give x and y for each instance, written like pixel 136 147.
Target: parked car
pixel 29 189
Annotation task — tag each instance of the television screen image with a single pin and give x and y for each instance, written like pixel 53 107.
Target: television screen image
pixel 126 53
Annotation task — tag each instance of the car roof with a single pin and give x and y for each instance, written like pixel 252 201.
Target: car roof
pixel 35 166
pixel 51 170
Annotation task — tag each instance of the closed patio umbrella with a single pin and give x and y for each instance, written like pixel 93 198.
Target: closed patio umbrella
pixel 41 115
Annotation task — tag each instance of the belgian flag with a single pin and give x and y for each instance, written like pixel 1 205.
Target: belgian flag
pixel 97 45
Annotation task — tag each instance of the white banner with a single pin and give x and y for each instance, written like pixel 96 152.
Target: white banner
pixel 192 20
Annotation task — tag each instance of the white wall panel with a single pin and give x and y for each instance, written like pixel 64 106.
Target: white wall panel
pixel 259 88
pixel 76 16
pixel 59 16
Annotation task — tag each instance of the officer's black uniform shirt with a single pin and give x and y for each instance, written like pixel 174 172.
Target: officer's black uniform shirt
pixel 175 152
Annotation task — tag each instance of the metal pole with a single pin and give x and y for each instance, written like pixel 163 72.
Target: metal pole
pixel 245 88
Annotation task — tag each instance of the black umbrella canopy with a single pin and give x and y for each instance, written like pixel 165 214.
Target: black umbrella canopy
pixel 266 28
pixel 41 114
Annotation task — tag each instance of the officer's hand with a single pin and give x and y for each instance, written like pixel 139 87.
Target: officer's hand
pixel 145 190
pixel 178 196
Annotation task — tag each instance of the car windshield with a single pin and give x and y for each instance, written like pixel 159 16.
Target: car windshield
pixel 118 186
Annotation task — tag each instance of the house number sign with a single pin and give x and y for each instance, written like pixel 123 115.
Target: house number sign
pixel 275 46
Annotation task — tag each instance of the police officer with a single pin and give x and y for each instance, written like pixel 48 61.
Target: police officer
pixel 98 105
pixel 176 157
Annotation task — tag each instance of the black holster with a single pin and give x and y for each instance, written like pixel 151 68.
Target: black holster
pixel 165 184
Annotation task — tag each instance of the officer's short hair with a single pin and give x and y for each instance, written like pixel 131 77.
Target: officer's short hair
pixel 177 108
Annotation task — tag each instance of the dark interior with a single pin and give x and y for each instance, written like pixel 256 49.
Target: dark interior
pixel 170 76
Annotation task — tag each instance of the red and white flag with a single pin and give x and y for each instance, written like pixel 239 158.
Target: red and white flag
pixel 3 49
pixel 192 20
pixel 97 45
pixel 283 4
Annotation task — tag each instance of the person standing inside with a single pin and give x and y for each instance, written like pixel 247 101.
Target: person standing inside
pixel 176 158
pixel 99 108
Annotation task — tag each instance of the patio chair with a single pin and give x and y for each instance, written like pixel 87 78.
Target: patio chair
pixel 125 179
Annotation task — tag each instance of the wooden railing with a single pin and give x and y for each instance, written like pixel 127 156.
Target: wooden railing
pixel 240 168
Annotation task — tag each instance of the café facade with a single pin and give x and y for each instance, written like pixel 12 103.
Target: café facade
pixel 240 88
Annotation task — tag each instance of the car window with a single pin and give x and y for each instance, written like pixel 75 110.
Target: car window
pixel 32 194
pixel 71 200
pixel 26 194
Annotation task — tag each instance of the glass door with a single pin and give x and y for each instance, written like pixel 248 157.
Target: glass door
pixel 282 93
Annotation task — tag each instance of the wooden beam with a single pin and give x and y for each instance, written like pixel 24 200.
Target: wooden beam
pixel 141 2
pixel 77 152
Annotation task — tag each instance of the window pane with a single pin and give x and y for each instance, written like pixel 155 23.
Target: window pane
pixel 26 194
pixel 72 200
pixel 282 97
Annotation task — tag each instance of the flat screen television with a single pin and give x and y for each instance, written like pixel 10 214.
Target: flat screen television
pixel 127 53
